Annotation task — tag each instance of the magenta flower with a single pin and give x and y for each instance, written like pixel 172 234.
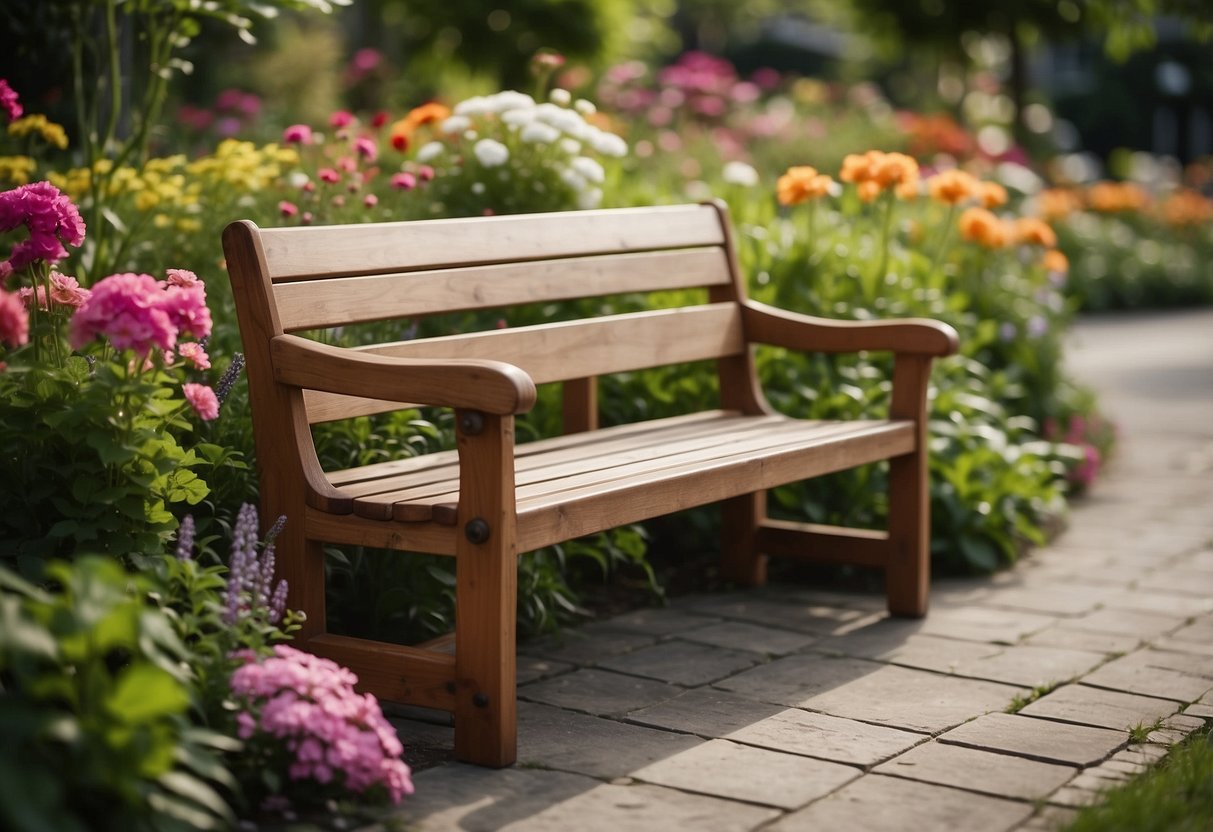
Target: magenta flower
pixel 50 217
pixel 14 320
pixel 328 175
pixel 366 148
pixel 67 291
pixel 8 100
pixel 307 705
pixel 297 134
pixel 186 309
pixel 287 209
pixel 341 118
pixel 181 277
pixel 403 181
pixel 203 400
pixel 370 200
pixel 195 354
pixel 125 308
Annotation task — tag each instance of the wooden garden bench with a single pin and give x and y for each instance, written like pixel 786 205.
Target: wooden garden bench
pixel 489 500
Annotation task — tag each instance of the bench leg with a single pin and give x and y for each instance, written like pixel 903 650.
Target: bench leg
pixel 740 560
pixel 908 573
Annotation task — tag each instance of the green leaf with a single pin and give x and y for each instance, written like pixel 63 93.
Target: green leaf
pixel 145 692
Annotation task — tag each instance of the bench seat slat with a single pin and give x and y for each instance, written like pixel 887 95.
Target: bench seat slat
pixel 347 300
pixel 381 248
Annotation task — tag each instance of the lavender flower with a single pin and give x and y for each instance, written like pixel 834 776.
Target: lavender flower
pixel 250 580
pixel 228 379
pixel 185 538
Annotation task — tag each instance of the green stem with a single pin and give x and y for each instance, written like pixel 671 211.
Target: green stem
pixel 936 280
pixel 882 269
pixel 115 71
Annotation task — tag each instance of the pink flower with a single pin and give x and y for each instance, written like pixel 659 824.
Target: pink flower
pixel 126 309
pixel 8 100
pixel 341 118
pixel 50 217
pixel 370 200
pixel 297 134
pixel 288 209
pixel 14 320
pixel 181 277
pixel 404 181
pixel 66 291
pixel 328 175
pixel 193 352
pixel 203 400
pixel 366 148
pixel 186 309
pixel 425 173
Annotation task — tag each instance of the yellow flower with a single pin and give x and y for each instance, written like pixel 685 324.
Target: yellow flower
pixel 801 184
pixel 952 186
pixel 982 226
pixel 16 170
pixel 1032 231
pixel 50 132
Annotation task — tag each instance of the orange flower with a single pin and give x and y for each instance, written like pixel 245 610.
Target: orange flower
pixel 907 190
pixel 401 132
pixel 1055 261
pixel 1056 203
pixel 1112 197
pixel 858 167
pixel 980 225
pixel 1034 232
pixel 890 169
pixel 991 194
pixel 1186 208
pixel 800 184
pixel 868 190
pixel 952 186
pixel 874 171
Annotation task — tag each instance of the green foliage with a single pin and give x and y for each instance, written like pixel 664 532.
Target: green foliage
pixel 1020 701
pixel 1176 795
pixel 95 694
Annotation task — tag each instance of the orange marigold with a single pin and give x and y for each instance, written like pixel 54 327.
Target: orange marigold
pixel 952 186
pixel 857 167
pixel 981 225
pixel 1186 207
pixel 868 190
pixel 891 169
pixel 1055 261
pixel 800 184
pixel 1112 197
pixel 401 132
pixel 1056 203
pixel 991 194
pixel 1034 232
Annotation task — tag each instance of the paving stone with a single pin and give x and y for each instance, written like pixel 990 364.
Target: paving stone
pixel 643 808
pixel 911 699
pixel 1071 599
pixel 533 668
pixel 1032 665
pixel 792 679
pixel 1050 819
pixel 1184 722
pixel 755 775
pixel 603 748
pixel 474 799
pixel 887 643
pixel 682 662
pixel 1066 634
pixel 586 645
pixel 1129 769
pixel 1141 754
pixel 1166 736
pixel 1203 711
pixel 1193 665
pixel 1091 781
pixel 792 594
pixel 1039 739
pixel 662 621
pixel 889 804
pixel 1099 707
pixel 1000 775
pixel 976 623
pixel 1143 625
pixel 738 635
pixel 1180 581
pixel 1074 798
pixel 1166 603
pixel 598 692
pixel 1143 672
pixel 706 712
pixel 826 737
pixel 781 613
pixel 1175 645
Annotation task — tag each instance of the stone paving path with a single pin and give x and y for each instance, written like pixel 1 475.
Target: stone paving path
pixel 788 709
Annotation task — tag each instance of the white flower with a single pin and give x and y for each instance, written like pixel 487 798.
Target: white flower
pixel 539 133
pixel 491 153
pixel 455 124
pixel 739 173
pixel 297 179
pixel 428 151
pixel 585 107
pixel 471 135
pixel 518 117
pixel 570 146
pixel 608 144
pixel 509 100
pixel 478 188
pixel 477 105
pixel 590 198
pixel 573 179
pixel 566 121
pixel 560 96
pixel 588 169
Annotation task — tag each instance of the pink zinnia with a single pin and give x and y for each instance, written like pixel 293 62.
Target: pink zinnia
pixel 181 277
pixel 51 218
pixel 370 200
pixel 341 118
pixel 297 134
pixel 366 148
pixel 14 320
pixel 288 209
pixel 193 352
pixel 328 175
pixel 186 308
pixel 203 400
pixel 8 100
pixel 67 291
pixel 404 181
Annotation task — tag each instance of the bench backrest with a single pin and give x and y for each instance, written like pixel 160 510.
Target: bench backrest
pixel 295 279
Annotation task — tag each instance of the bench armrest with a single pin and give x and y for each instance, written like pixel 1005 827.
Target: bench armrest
pixel 778 327
pixel 490 386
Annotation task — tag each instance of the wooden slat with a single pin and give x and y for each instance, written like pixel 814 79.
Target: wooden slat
pixel 573 349
pixel 353 530
pixel 347 300
pixel 392 671
pixel 824 544
pixel 380 248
